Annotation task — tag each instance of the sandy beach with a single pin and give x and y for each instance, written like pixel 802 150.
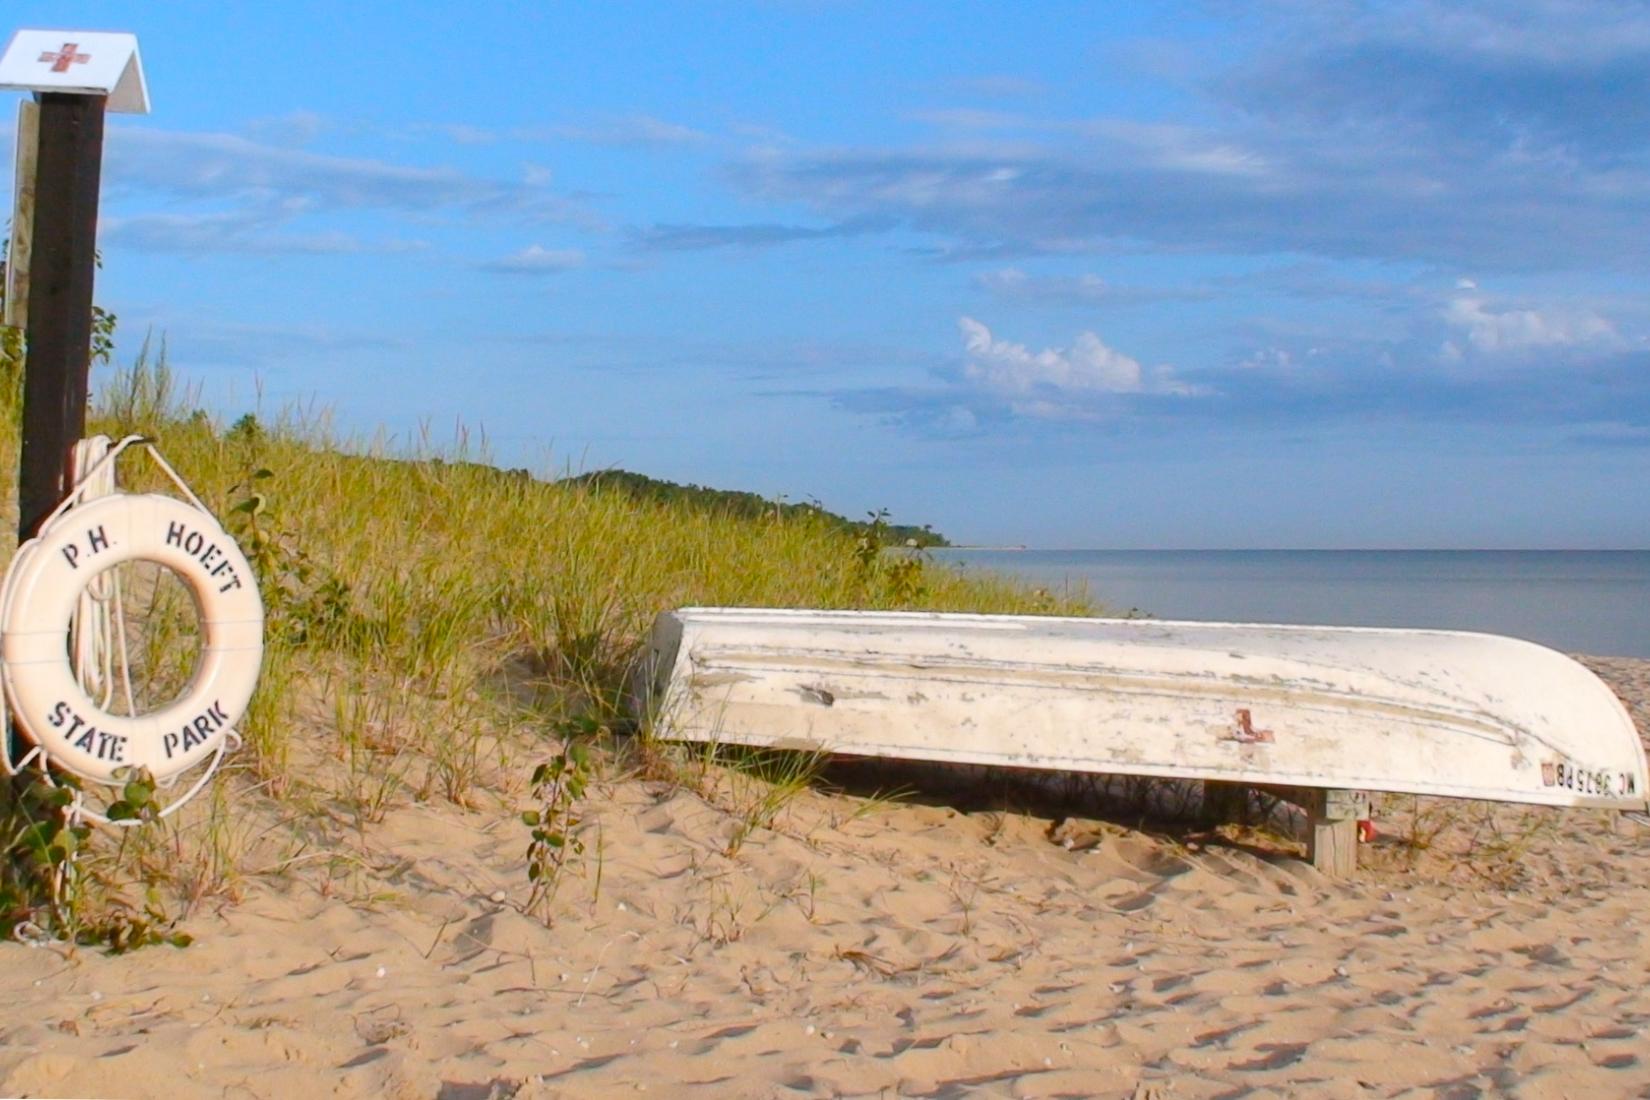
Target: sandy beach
pixel 928 946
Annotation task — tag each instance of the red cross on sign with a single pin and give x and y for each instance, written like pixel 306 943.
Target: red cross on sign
pixel 66 57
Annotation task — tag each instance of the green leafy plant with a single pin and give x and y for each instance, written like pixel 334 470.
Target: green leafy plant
pixel 40 894
pixel 887 572
pixel 558 787
pixel 54 884
pixel 304 602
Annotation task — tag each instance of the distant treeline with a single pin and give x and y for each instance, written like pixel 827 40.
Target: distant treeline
pixel 748 505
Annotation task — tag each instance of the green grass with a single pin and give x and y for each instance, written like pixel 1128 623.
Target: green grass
pixel 433 621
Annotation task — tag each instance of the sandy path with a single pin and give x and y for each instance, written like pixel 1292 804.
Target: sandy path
pixel 914 950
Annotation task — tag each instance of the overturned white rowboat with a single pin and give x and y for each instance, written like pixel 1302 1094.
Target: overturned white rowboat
pixel 1419 711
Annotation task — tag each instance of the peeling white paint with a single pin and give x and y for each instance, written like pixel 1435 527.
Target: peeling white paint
pixel 1420 711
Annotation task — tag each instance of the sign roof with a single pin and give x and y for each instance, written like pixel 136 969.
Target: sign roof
pixel 77 62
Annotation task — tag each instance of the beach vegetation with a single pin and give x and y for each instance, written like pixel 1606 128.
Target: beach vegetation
pixel 762 784
pixel 750 506
pixel 58 887
pixel 1490 844
pixel 442 630
pixel 556 821
pixel 438 629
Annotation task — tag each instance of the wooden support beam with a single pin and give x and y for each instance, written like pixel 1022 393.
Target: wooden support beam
pixel 1332 824
pixel 1332 844
pixel 63 257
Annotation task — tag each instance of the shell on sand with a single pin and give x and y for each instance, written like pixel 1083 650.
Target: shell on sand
pixel 917 948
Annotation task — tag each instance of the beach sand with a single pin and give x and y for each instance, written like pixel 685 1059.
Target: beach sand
pixel 923 947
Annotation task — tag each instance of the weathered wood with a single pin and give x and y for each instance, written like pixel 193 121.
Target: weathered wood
pixel 63 259
pixel 1332 844
pixel 1333 848
pixel 1418 711
pixel 22 215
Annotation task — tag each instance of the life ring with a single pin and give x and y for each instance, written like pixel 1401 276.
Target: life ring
pixel 46 581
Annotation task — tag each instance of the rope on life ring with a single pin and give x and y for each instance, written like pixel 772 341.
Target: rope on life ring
pixel 98 627
pixel 52 574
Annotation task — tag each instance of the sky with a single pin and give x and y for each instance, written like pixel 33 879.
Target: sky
pixel 1201 275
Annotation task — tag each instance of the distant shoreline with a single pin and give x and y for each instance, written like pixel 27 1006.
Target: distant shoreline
pixel 1575 601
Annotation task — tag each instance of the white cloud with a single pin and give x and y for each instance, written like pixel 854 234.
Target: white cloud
pixel 250 231
pixel 1162 145
pixel 465 134
pixel 226 166
pixel 996 86
pixel 1014 285
pixel 293 128
pixel 1269 359
pixel 536 260
pixel 1334 130
pixel 1493 330
pixel 631 130
pixel 628 131
pixel 241 195
pixel 1550 32
pixel 1086 368
pixel 1183 148
pixel 1011 282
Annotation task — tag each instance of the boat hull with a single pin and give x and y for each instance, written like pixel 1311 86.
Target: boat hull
pixel 1419 711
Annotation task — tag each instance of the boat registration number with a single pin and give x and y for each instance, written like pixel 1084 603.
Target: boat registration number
pixel 1594 781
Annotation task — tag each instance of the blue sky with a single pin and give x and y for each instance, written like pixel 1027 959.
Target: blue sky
pixel 1066 274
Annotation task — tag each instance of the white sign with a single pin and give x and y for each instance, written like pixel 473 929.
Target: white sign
pixel 78 62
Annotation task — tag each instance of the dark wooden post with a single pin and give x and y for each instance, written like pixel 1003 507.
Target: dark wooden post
pixel 59 333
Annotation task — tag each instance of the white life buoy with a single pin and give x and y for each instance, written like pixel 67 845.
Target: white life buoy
pixel 51 572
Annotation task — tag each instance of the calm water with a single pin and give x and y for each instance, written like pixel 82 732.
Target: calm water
pixel 1575 600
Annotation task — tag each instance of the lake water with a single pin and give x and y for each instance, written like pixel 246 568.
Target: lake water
pixel 1574 600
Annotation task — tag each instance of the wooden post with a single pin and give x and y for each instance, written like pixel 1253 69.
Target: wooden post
pixel 22 216
pixel 1333 843
pixel 63 258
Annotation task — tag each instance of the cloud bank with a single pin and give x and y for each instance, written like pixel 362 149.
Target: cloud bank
pixel 1473 136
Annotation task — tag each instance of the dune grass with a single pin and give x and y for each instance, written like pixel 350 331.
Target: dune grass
pixel 440 631
pixel 436 627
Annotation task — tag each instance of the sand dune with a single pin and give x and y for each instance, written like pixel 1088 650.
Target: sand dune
pixel 917 948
